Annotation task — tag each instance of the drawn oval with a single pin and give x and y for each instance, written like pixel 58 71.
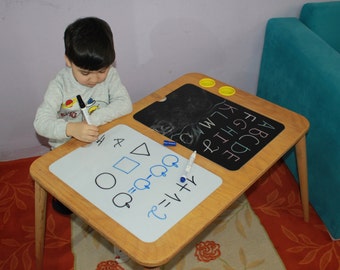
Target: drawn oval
pixel 105 180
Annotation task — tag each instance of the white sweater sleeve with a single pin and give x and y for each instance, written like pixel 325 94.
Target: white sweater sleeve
pixel 46 122
pixel 52 116
pixel 119 101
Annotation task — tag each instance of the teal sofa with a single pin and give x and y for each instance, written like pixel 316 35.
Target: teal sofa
pixel 300 70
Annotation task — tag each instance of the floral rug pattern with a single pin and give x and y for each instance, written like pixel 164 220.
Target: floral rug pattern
pixel 236 240
pixel 254 234
pixel 17 239
pixel 303 245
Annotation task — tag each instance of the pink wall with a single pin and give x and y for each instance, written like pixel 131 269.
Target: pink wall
pixel 156 42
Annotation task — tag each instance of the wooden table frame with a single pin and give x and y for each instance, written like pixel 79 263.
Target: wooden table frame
pixel 155 254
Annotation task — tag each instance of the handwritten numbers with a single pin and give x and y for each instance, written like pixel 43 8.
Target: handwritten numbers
pixel 152 212
pixel 118 142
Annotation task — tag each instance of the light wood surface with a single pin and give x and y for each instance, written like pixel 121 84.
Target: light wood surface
pixel 234 184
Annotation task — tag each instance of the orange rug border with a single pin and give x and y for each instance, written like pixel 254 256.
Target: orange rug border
pixel 17 234
pixel 301 245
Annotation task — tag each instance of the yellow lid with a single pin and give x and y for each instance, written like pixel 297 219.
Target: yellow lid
pixel 226 90
pixel 207 82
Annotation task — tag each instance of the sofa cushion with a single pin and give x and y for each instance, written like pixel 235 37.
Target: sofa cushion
pixel 300 71
pixel 323 19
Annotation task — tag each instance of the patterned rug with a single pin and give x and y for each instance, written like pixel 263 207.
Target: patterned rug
pixel 263 231
pixel 17 244
pixel 275 199
pixel 236 240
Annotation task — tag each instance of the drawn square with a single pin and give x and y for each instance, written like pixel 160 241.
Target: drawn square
pixel 126 165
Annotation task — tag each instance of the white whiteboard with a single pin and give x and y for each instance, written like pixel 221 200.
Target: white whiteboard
pixel 135 181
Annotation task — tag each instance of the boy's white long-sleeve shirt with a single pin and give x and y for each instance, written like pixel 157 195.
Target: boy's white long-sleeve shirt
pixel 104 102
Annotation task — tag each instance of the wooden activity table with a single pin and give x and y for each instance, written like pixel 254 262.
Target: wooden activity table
pixel 154 254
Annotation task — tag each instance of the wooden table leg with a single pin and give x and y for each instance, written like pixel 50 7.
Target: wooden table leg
pixel 301 158
pixel 40 224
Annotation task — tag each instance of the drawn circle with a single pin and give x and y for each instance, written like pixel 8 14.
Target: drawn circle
pixel 106 180
pixel 123 200
pixel 170 160
pixel 158 170
pixel 207 82
pixel 142 184
pixel 227 90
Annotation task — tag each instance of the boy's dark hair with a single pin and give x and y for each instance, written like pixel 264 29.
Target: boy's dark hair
pixel 89 43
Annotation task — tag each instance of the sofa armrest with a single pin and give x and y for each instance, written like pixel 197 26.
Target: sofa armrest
pixel 301 72
pixel 323 19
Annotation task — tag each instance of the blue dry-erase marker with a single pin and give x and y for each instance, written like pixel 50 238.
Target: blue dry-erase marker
pixel 169 143
pixel 188 167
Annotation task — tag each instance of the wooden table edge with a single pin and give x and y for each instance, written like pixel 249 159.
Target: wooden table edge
pixel 171 252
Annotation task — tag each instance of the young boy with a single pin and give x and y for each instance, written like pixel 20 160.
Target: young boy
pixel 89 55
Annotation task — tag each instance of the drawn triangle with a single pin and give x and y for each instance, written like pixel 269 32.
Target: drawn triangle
pixel 141 150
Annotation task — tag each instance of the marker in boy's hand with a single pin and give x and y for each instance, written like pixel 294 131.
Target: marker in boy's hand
pixel 89 73
pixel 89 55
pixel 84 110
pixel 82 131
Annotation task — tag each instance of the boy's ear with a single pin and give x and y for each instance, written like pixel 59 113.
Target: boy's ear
pixel 67 61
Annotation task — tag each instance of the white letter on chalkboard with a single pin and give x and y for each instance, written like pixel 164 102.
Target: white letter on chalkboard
pixel 229 108
pixel 265 124
pixel 221 114
pixel 255 131
pixel 229 131
pixel 231 155
pixel 251 136
pixel 253 118
pixel 239 148
pixel 237 122
pixel 224 140
pixel 207 123
pixel 186 138
pixel 207 144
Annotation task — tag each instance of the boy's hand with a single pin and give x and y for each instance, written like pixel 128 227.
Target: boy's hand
pixel 82 131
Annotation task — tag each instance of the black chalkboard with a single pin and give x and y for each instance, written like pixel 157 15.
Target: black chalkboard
pixel 216 128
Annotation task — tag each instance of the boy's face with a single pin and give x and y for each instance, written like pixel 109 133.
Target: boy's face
pixel 85 77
